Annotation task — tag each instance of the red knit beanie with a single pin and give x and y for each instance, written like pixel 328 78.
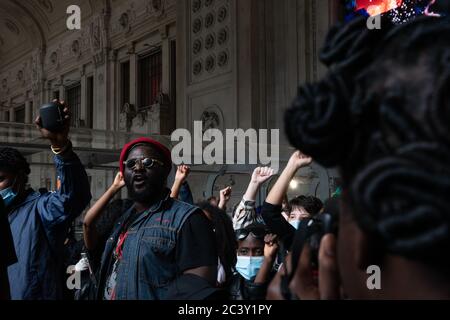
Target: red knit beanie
pixel 126 149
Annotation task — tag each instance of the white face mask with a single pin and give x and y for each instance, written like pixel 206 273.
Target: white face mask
pixel 248 267
pixel 295 223
pixel 8 195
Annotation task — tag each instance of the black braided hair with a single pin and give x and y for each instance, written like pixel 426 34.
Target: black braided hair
pixel 12 160
pixel 317 122
pixel 394 149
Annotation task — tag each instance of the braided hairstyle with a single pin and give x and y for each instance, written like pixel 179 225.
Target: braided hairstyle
pixel 12 160
pixel 382 116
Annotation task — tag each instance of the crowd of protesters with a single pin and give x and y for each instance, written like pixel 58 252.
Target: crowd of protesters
pixel 380 115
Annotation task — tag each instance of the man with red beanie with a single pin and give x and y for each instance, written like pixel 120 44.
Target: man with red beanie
pixel 161 248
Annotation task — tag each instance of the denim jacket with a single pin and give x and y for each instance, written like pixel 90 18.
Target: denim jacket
pixel 147 267
pixel 39 226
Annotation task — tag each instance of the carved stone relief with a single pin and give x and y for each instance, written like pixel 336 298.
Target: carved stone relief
pixel 209 38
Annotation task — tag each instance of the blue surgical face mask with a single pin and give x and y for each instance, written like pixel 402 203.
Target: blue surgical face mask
pixel 248 267
pixel 8 195
pixel 295 223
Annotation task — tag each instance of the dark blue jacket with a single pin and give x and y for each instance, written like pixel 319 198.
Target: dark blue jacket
pixel 186 194
pixel 39 226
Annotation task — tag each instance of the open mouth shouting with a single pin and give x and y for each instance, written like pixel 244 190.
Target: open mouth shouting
pixel 139 181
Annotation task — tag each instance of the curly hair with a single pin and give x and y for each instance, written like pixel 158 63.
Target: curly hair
pixel 12 160
pixel 382 115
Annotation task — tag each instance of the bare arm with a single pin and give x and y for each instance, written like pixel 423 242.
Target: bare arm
pixel 89 230
pixel 245 211
pixel 181 176
pixel 270 253
pixel 259 176
pixel 297 161
pixel 225 196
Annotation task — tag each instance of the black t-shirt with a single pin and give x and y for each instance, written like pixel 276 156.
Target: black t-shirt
pixel 196 245
pixel 273 218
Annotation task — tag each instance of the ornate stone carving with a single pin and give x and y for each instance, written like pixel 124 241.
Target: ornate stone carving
pixel 97 39
pixel 156 8
pixel 75 48
pixel 222 36
pixel 222 60
pixel 163 100
pixel 210 38
pixel 127 113
pixel 222 14
pixel 197 68
pixel 96 35
pixel 12 27
pixel 54 58
pixel 210 41
pixel 212 118
pixel 131 47
pixel 124 21
pixel 154 119
pixel 197 25
pixel 197 46
pixel 47 5
pixel 20 75
pixel 210 63
pixel 209 20
pixel 36 70
pixel 196 5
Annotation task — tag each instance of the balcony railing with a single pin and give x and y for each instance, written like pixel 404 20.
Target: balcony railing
pixel 86 142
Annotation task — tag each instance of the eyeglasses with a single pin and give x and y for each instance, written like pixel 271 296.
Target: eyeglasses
pixel 147 163
pixel 258 233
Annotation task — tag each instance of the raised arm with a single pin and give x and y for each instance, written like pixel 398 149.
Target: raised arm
pixel 225 196
pixel 272 207
pixel 270 254
pixel 73 194
pixel 90 233
pixel 180 177
pixel 244 213
pixel 278 192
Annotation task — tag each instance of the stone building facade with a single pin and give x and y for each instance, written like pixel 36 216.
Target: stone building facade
pixel 148 67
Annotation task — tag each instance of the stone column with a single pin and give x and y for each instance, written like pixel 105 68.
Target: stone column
pixel 27 111
pixel 62 91
pixel 83 109
pixel 113 91
pixel 12 115
pixel 165 48
pixel 133 74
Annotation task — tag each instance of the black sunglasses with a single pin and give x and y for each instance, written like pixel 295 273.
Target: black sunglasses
pixel 258 233
pixel 147 163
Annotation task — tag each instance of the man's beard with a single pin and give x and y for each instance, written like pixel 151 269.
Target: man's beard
pixel 148 194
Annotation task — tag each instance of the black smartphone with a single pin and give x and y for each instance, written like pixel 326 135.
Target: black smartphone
pixel 52 116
